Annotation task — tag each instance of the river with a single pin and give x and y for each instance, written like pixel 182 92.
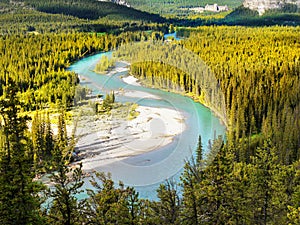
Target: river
pixel 147 171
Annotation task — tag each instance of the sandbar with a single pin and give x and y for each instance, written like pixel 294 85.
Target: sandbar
pixel 137 94
pixel 131 80
pixel 109 139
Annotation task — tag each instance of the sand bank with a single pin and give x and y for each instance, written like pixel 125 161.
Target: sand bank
pixel 109 139
pixel 137 94
pixel 131 80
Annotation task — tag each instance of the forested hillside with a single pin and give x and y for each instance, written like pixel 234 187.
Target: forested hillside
pixel 37 63
pixel 246 17
pixel 65 16
pixel 251 178
pixel 174 7
pixel 259 74
pixel 256 69
pixel 90 9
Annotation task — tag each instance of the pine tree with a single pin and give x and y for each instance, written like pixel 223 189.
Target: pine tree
pixel 169 203
pixel 62 137
pixel 268 187
pixel 110 205
pixel 199 151
pixel 64 208
pixel 191 177
pixel 219 192
pixel 48 137
pixel 19 203
pixel 134 205
pixel 38 142
pixel 191 205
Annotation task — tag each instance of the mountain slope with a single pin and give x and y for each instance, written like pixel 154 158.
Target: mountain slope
pixel 91 9
pixel 267 13
pixel 174 7
pixel 262 6
pixel 74 15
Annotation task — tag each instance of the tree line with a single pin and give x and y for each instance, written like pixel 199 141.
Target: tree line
pixel 176 7
pixel 258 72
pixel 66 16
pixel 37 63
pixel 216 189
pixel 253 178
pixel 89 9
pixel 249 76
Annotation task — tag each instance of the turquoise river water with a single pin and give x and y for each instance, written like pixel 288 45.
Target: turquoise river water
pixel 147 171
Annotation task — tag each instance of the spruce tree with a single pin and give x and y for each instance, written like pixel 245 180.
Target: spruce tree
pixel 19 203
pixel 268 188
pixel 38 142
pixel 219 192
pixel 169 203
pixel 199 151
pixel 65 208
pixel 190 179
pixel 111 205
pixel 48 137
pixel 62 137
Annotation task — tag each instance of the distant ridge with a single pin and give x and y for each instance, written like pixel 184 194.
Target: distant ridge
pixel 93 9
pixel 118 2
pixel 262 6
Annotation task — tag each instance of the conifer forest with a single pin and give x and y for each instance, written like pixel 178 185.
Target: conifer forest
pixel 243 67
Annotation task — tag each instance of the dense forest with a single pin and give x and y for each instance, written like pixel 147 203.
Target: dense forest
pixel 247 76
pixel 93 16
pixel 257 72
pixel 64 16
pixel 178 14
pixel 216 190
pixel 246 17
pixel 90 9
pixel 255 69
pixel 37 63
pixel 175 6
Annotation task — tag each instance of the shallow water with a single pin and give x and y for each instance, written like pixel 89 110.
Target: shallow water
pixel 146 171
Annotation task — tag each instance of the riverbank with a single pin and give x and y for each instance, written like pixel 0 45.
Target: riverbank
pixel 125 131
pixel 130 79
pixel 104 139
pixel 145 171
